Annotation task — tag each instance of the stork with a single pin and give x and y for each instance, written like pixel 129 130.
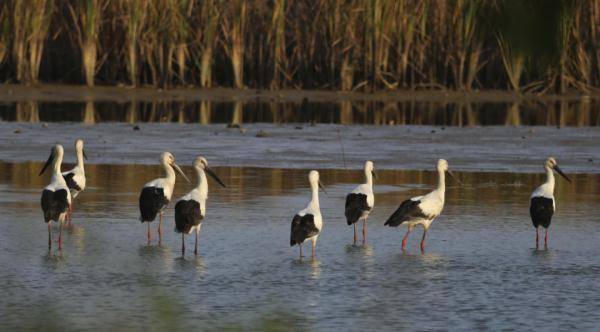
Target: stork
pixel 56 197
pixel 542 205
pixel 360 202
pixel 422 210
pixel 308 223
pixel 156 194
pixel 75 178
pixel 191 208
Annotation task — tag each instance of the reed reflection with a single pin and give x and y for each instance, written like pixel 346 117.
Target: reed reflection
pixel 582 113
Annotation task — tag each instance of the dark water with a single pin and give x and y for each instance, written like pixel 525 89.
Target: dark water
pixel 480 270
pixel 580 113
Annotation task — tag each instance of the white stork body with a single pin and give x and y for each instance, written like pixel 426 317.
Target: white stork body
pixel 542 203
pixel 422 210
pixel 75 178
pixel 156 194
pixel 56 197
pixel 190 210
pixel 308 223
pixel 360 202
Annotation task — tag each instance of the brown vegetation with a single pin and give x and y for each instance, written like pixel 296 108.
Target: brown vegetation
pixel 526 46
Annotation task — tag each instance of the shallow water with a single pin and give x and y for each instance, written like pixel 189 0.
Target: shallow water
pixel 480 270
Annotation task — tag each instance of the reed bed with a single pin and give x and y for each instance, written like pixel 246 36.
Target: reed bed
pixel 526 46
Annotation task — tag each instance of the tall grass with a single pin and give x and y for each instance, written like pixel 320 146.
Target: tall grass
pixel 532 46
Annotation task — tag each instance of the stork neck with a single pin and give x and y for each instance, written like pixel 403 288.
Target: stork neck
pixel 80 159
pixel 314 188
pixel 550 177
pixel 441 180
pixel 202 182
pixel 369 177
pixel 56 173
pixel 169 172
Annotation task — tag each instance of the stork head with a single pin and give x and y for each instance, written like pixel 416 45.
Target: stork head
pixel 442 166
pixel 370 168
pixel 313 178
pixel 166 158
pixel 201 163
pixel 553 165
pixel 56 155
pixel 79 147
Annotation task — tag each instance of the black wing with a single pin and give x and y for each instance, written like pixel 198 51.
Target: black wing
pixel 54 203
pixel 356 204
pixel 187 215
pixel 70 182
pixel 541 211
pixel 408 210
pixel 152 201
pixel 302 228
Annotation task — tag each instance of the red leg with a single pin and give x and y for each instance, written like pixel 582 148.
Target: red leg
pixel 423 240
pixel 196 243
pixel 405 238
pixel 149 233
pixel 182 244
pixel 60 236
pixel 49 236
pixel 160 229
pixel 364 231
pixel 537 237
pixel 69 213
pixel 354 242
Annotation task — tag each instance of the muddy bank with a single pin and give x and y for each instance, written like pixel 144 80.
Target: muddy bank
pixel 68 93
pixel 514 149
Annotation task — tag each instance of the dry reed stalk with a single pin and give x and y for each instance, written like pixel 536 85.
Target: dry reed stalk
pixel 206 37
pixel 513 62
pixel 31 22
pixel 134 21
pixel 237 31
pixel 277 40
pixel 4 31
pixel 86 18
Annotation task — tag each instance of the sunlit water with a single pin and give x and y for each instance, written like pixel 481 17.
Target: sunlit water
pixel 480 269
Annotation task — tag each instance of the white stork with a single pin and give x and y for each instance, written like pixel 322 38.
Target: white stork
pixel 56 197
pixel 307 223
pixel 542 200
pixel 191 208
pixel 360 202
pixel 422 210
pixel 75 178
pixel 156 194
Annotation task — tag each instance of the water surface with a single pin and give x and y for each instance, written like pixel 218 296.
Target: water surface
pixel 480 270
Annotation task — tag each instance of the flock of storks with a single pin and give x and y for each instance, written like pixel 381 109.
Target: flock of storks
pixel 57 201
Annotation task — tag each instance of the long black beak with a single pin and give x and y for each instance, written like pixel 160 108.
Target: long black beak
pixel 84 155
pixel 215 177
pixel 559 171
pixel 374 175
pixel 48 162
pixel 453 177
pixel 180 172
pixel 322 187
